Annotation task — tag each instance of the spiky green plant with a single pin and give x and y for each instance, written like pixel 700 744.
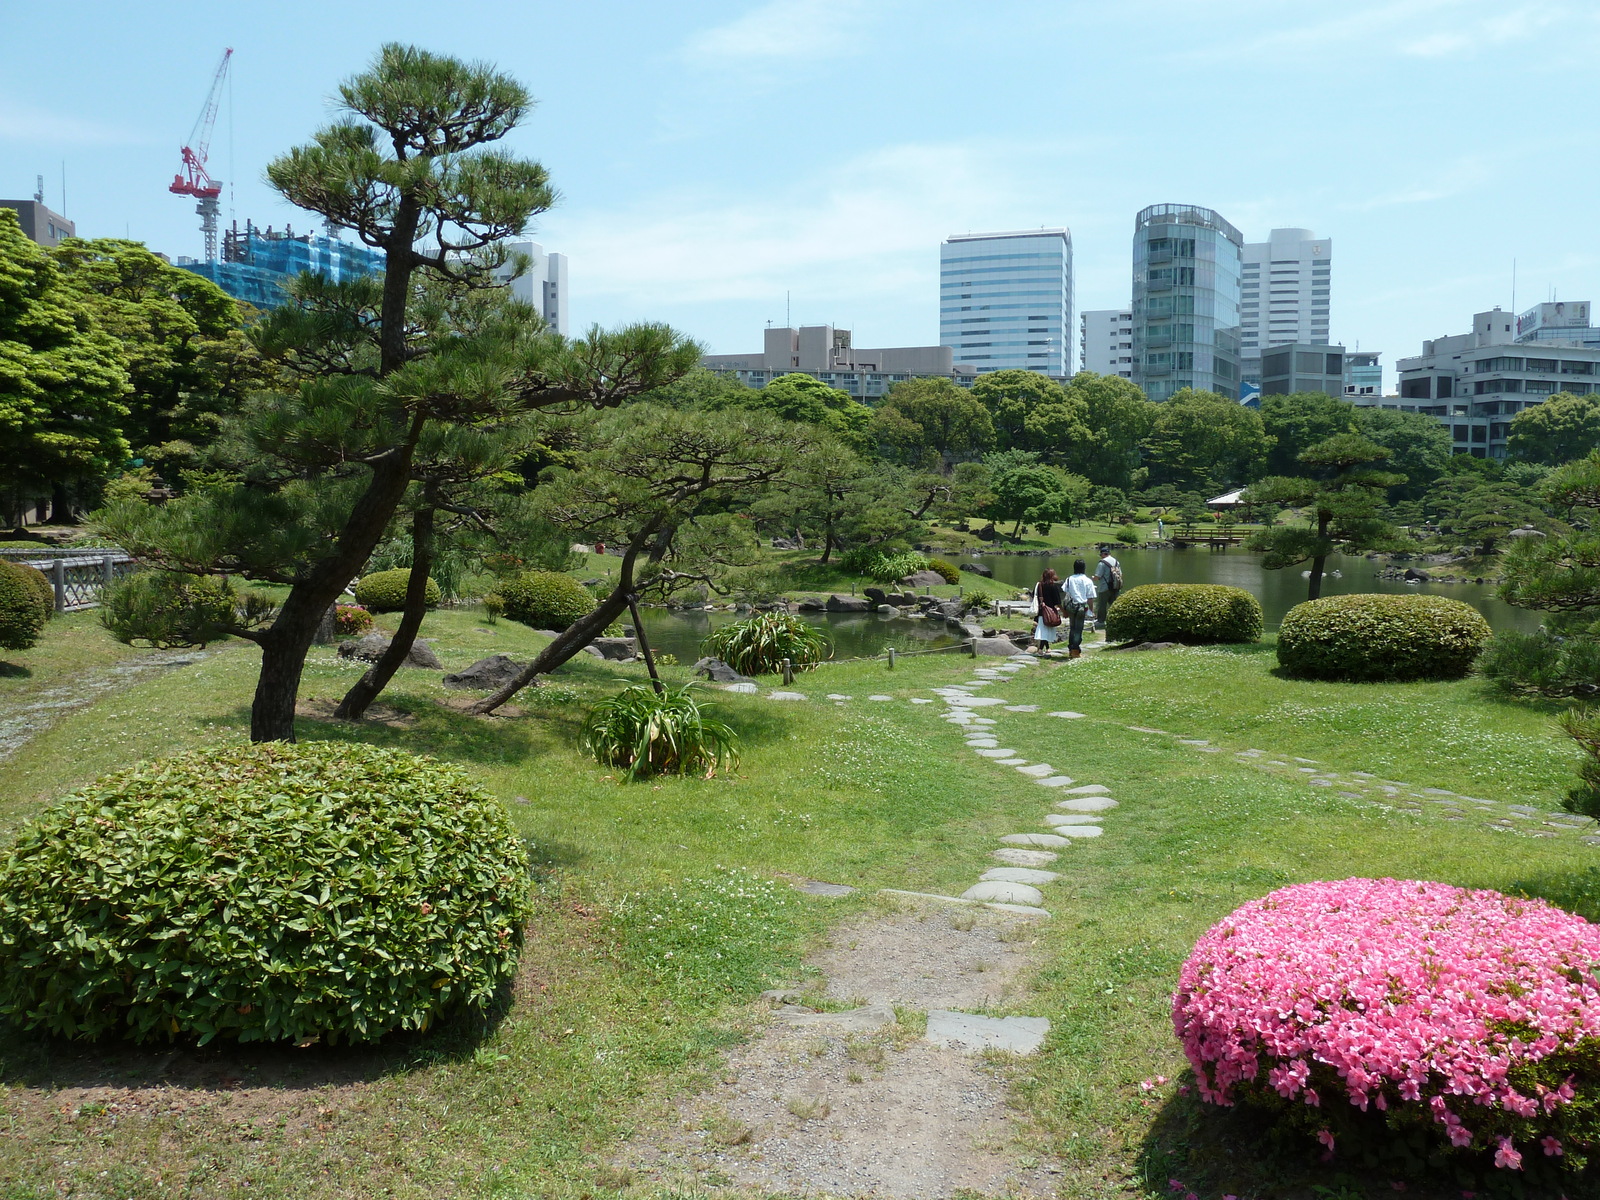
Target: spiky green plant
pixel 759 644
pixel 647 733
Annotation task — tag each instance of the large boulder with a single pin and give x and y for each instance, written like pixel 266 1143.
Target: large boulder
pixel 923 579
pixel 849 604
pixel 617 649
pixel 995 647
pixel 373 646
pixel 1416 576
pixel 486 675
pixel 876 594
pixel 718 671
pixel 812 604
pixel 978 569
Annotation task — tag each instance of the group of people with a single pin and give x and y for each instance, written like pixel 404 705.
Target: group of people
pixel 1068 604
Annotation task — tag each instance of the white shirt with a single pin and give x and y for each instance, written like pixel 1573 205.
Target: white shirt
pixel 1103 571
pixel 1080 588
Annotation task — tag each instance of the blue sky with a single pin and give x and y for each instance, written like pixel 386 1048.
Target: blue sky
pixel 712 156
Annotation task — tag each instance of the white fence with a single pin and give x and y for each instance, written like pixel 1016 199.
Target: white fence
pixel 76 575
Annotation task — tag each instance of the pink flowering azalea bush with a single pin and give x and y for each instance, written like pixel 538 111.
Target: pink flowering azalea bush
pixel 1399 1006
pixel 351 619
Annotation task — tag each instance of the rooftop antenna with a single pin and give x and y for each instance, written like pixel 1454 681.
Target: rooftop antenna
pixel 787 321
pixel 1513 285
pixel 38 194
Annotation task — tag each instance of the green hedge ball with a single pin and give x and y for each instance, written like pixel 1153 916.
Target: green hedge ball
pixel 385 591
pixel 1377 638
pixel 1194 613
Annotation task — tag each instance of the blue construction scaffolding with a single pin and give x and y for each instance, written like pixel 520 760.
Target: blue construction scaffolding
pixel 257 263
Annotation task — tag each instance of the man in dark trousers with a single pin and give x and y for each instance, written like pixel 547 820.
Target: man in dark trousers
pixel 1108 583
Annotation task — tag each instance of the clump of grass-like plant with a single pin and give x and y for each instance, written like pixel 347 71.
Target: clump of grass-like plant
pixel 651 733
pixel 759 644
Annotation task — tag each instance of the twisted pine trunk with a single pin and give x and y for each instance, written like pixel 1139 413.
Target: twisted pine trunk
pixel 367 688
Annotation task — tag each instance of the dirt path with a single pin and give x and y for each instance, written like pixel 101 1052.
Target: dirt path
pixel 858 1102
pixel 40 710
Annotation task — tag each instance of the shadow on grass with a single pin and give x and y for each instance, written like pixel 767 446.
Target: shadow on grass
pixel 1576 891
pixel 10 670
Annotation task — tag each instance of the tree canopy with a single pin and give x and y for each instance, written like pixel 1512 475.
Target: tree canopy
pixel 1562 429
pixel 1205 441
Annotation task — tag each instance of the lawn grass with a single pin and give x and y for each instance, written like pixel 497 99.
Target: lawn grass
pixel 870 794
pixel 72 644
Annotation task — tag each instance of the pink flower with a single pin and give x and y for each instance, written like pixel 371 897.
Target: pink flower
pixel 1506 1157
pixel 1326 1139
pixel 1552 1147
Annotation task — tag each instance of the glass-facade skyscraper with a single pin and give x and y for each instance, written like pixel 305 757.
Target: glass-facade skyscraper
pixel 1186 264
pixel 1005 300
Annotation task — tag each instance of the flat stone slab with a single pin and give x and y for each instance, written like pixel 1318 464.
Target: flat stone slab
pixel 1022 910
pixel 748 689
pixel 1038 770
pixel 998 753
pixel 786 696
pixel 983 743
pixel 1004 893
pixel 1040 841
pixel 1013 857
pixel 1088 804
pixel 920 700
pixel 974 701
pixel 1011 762
pixel 1193 742
pixel 837 696
pixel 1022 708
pixel 880 697
pixel 1069 716
pixel 1145 729
pixel 857 1020
pixel 1019 875
pixel 1073 819
pixel 815 887
pixel 984 721
pixel 1055 781
pixel 1091 789
pixel 1074 831
pixel 964 1031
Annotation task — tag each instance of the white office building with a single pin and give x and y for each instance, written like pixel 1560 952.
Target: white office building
pixel 1284 288
pixel 1105 341
pixel 1005 300
pixel 544 284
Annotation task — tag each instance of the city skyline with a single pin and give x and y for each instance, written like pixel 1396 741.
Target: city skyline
pixel 673 209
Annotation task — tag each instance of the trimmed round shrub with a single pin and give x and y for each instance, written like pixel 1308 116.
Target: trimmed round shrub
pixel 262 893
pixel 1366 638
pixel 385 591
pixel 22 616
pixel 759 644
pixel 947 571
pixel 1196 613
pixel 43 589
pixel 351 620
pixel 1373 1009
pixel 546 599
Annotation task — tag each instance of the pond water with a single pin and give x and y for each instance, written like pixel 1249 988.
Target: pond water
pixel 857 635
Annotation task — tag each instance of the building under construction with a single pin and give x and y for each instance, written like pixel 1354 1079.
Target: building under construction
pixel 257 263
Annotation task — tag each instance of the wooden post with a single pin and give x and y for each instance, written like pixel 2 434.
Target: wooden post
pixel 644 645
pixel 58 579
pixel 972 647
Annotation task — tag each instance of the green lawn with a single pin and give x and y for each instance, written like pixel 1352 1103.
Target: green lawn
pixel 871 794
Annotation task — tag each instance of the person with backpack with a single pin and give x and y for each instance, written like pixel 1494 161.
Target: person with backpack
pixel 1079 604
pixel 1047 599
pixel 1108 578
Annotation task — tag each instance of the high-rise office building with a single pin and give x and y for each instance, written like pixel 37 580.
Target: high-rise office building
pixel 1105 341
pixel 1005 300
pixel 1283 291
pixel 543 284
pixel 1185 301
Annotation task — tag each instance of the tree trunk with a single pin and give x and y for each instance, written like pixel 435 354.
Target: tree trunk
pixel 60 505
pixel 366 689
pixel 827 540
pixel 397 267
pixel 283 658
pixel 1318 562
pixel 1018 530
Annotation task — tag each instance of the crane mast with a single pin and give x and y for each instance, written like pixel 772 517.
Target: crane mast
pixel 194 180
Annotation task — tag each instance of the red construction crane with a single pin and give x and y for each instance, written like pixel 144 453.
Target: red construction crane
pixel 193 180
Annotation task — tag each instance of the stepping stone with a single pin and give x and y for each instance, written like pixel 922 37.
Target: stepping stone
pixel 982 743
pixel 786 695
pixel 1038 841
pixel 1437 792
pixel 815 887
pixel 984 721
pixel 1022 910
pixel 1524 808
pixel 1011 762
pixel 1090 789
pixel 1363 774
pixel 1072 819
pixel 1019 875
pixel 1004 893
pixel 880 697
pixel 1312 761
pixel 964 1031
pixel 1144 729
pixel 1011 856
pixel 1307 770
pixel 998 753
pixel 948 692
pixel 1320 782
pixel 1351 795
pixel 972 701
pixel 1070 716
pixel 1193 742
pixel 1037 769
pixel 837 696
pixel 1248 753
pixel 748 689
pixel 1088 804
pixel 857 1020
pixel 1056 781
pixel 1075 831
pixel 1022 708
pixel 920 700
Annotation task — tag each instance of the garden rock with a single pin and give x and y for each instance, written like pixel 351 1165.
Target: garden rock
pixel 848 604
pixel 1088 804
pixel 1037 841
pixel 965 1031
pixel 978 569
pixel 373 646
pixel 1075 831
pixel 718 671
pixel 486 675
pixel 923 579
pixel 999 892
pixel 1091 789
pixel 1073 819
pixel 812 604
pixel 1056 781
pixel 786 696
pixel 1014 857
pixel 1019 875
pixel 1037 769
pixel 995 647
pixel 857 1020
pixel 876 594
pixel 748 687
pixel 617 649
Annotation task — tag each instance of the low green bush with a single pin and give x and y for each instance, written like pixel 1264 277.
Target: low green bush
pixel 351 620
pixel 1376 637
pixel 1128 535
pixel 948 571
pixel 545 599
pixel 44 591
pixel 1547 662
pixel 759 644
pixel 1194 613
pixel 22 617
pixel 650 734
pixel 173 610
pixel 272 892
pixel 882 565
pixel 385 591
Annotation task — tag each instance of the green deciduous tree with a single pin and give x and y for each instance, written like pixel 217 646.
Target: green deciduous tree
pixel 1205 440
pixel 63 382
pixel 1342 496
pixel 930 423
pixel 1120 417
pixel 803 399
pixel 1032 412
pixel 1564 428
pixel 1033 493
pixel 1298 421
pixel 1418 446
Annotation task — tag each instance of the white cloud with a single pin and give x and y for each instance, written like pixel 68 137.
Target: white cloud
pixel 24 123
pixel 1507 27
pixel 780 31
